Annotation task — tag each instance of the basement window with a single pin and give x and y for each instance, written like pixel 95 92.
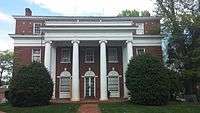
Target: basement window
pixel 140 51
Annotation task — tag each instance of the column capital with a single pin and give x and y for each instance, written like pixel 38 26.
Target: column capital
pixel 48 41
pixel 129 41
pixel 75 41
pixel 103 41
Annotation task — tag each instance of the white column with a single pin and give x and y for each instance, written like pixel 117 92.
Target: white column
pixel 103 71
pixel 75 72
pixel 47 56
pixel 129 55
pixel 53 69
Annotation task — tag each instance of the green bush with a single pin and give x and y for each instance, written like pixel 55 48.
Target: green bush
pixel 147 81
pixel 31 86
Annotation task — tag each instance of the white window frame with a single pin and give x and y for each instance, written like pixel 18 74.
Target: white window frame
pixel 137 53
pixel 140 29
pixel 85 57
pixel 34 24
pixel 36 55
pixel 116 55
pixel 112 74
pixel 62 55
pixel 67 75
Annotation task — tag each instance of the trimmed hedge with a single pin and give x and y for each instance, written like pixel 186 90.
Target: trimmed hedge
pixel 31 86
pixel 147 81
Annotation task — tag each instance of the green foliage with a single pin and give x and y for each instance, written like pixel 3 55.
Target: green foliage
pixel 32 85
pixel 6 63
pixel 129 13
pixel 147 81
pixel 145 13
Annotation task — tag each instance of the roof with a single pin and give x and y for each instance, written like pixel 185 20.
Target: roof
pixel 117 18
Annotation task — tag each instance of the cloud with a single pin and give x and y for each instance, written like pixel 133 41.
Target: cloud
pixel 5 17
pixel 7 25
pixel 93 7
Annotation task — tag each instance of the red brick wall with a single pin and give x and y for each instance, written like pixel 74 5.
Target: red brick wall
pixel 153 50
pixel 23 54
pixel 151 27
pixel 25 27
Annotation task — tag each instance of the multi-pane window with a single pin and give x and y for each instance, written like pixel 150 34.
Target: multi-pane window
pixel 140 51
pixel 113 84
pixel 36 55
pixel 36 28
pixel 112 55
pixel 89 55
pixel 140 29
pixel 65 55
pixel 65 84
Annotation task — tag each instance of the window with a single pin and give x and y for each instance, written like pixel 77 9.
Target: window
pixel 65 55
pixel 112 55
pixel 140 51
pixel 36 55
pixel 36 28
pixel 65 84
pixel 89 55
pixel 113 83
pixel 140 29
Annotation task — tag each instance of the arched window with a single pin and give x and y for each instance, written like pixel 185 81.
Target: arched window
pixel 65 84
pixel 113 83
pixel 89 83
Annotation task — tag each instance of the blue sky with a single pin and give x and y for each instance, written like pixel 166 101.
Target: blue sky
pixel 61 7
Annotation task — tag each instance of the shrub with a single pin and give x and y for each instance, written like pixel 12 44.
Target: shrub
pixel 147 81
pixel 31 86
pixel 6 93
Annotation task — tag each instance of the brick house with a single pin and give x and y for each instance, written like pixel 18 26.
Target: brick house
pixel 86 56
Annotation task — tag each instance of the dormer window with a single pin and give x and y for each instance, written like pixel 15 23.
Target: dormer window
pixel 36 28
pixel 140 29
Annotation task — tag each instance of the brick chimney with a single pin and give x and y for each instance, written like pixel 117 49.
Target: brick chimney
pixel 28 12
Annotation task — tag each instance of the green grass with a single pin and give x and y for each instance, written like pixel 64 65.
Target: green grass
pixel 131 108
pixel 54 108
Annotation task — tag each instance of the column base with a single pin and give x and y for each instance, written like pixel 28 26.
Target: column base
pixel 103 99
pixel 75 99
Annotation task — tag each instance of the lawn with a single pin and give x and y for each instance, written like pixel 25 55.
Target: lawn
pixel 54 108
pixel 131 108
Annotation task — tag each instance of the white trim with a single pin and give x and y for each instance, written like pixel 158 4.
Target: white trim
pixel 87 28
pixel 24 36
pixel 88 23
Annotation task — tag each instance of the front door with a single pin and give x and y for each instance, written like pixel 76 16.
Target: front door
pixel 89 87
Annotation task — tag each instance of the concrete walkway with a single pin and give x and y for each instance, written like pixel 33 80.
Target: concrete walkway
pixel 89 108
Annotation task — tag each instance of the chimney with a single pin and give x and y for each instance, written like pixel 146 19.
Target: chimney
pixel 28 12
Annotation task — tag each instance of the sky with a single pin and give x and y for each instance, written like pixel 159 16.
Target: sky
pixel 62 8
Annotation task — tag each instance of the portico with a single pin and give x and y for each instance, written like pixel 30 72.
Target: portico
pixel 86 57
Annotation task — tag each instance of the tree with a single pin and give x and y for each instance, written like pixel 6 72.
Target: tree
pixel 6 63
pixel 129 13
pixel 145 13
pixel 181 21
pixel 31 86
pixel 148 81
